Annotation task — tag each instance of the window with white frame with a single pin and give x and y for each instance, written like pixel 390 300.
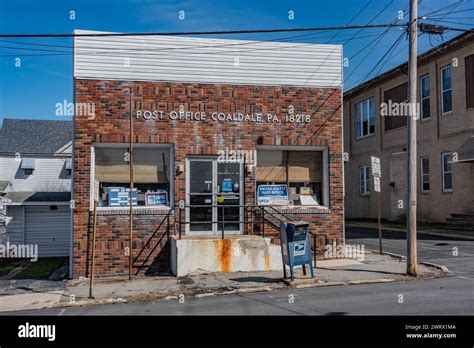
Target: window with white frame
pixel 152 175
pixel 446 90
pixel 425 96
pixel 447 172
pixel 425 173
pixel 364 118
pixel 364 181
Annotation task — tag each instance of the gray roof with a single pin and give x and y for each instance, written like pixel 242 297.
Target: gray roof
pixel 34 136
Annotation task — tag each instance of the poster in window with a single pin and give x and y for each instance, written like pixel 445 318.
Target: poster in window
pixel 156 198
pixel 227 185
pixel 272 195
pixel 120 196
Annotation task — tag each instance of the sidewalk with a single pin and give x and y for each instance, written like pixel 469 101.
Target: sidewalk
pixel 375 268
pixel 438 232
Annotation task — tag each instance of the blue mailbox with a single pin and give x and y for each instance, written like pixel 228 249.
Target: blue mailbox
pixel 295 246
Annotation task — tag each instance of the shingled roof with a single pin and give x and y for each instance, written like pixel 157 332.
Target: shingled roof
pixel 34 136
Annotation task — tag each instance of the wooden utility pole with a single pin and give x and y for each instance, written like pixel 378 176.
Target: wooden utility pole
pixel 130 159
pixel 412 120
pixel 94 227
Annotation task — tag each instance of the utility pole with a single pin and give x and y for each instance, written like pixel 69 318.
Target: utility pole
pixel 130 158
pixel 412 120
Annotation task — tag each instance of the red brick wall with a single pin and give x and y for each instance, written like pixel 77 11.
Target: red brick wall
pixel 111 124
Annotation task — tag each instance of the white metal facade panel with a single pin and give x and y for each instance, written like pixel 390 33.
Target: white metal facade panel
pixel 49 175
pixel 49 229
pixel 204 60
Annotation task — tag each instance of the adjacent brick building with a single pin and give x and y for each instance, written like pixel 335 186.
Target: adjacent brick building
pixel 445 171
pixel 188 108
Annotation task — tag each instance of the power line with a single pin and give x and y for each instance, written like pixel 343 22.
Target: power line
pixel 222 32
pixel 456 4
pixel 441 18
pixel 353 18
pixel 108 53
pixel 340 104
pixel 104 50
pixel 352 37
pixel 450 22
pixel 387 54
pixel 376 41
pixel 316 132
pixel 450 12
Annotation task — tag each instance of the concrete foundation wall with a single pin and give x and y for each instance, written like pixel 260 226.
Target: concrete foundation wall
pixel 234 254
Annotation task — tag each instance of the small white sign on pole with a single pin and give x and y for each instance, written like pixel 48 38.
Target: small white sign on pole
pixel 376 171
pixel 376 184
pixel 96 190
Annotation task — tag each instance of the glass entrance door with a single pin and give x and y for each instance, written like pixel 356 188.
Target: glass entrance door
pixel 210 187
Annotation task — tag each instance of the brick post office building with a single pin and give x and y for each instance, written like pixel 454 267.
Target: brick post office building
pixel 271 111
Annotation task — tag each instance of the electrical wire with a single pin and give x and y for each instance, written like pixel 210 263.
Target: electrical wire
pixel 221 32
pixel 148 52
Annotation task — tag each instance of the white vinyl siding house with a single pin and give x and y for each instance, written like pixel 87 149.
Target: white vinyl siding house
pixel 49 175
pixel 35 165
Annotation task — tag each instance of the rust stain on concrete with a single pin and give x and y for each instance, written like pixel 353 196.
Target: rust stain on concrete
pixel 266 255
pixel 224 252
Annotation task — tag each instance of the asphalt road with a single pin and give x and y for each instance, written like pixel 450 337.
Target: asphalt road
pixel 446 296
pixel 453 295
pixel 457 255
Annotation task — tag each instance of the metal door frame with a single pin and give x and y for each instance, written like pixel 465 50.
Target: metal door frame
pixel 213 194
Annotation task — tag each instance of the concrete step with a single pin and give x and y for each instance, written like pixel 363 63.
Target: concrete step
pixel 460 220
pixel 462 217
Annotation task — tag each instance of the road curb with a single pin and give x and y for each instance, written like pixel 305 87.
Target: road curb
pixel 431 264
pixel 427 233
pixel 426 263
pixel 86 302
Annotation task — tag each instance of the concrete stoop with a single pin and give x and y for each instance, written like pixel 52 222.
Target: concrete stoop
pixel 242 253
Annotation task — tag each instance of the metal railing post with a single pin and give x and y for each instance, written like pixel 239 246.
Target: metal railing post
pixel 168 227
pixel 223 222
pixel 263 222
pixel 180 221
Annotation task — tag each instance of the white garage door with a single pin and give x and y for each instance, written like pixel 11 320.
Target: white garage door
pixel 49 229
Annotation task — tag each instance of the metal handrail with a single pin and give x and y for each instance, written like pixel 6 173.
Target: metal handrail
pixel 314 247
pixel 279 212
pixel 181 221
pixel 165 218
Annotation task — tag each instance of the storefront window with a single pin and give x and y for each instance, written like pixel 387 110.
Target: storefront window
pixel 152 176
pixel 302 171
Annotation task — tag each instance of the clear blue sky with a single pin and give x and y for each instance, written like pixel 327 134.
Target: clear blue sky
pixel 33 89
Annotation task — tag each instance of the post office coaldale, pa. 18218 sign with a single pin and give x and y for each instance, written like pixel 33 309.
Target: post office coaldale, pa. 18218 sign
pixel 181 115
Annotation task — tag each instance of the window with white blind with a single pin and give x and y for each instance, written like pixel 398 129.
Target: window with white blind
pixel 364 181
pixel 364 118
pixel 425 97
pixel 447 173
pixel 425 174
pixel 446 90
